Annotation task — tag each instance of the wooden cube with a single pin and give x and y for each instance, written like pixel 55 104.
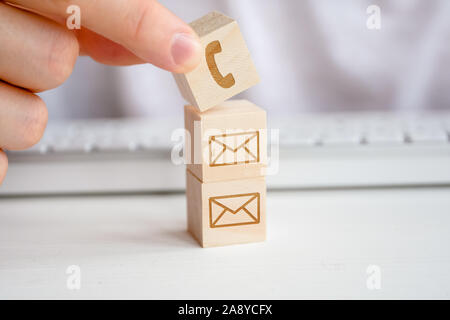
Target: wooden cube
pixel 226 212
pixel 226 142
pixel 226 68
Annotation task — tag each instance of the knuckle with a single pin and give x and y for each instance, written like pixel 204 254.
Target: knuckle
pixel 136 19
pixel 35 122
pixel 62 55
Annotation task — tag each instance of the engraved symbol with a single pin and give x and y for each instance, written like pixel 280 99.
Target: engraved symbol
pixel 234 210
pixel 226 151
pixel 212 49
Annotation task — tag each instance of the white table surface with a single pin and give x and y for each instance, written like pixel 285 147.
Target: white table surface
pixel 319 245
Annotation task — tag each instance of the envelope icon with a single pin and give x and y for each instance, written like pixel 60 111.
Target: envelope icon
pixel 235 148
pixel 234 210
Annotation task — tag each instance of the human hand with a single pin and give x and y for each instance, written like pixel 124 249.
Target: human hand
pixel 38 53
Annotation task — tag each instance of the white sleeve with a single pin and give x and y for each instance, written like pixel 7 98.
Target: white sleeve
pixel 311 56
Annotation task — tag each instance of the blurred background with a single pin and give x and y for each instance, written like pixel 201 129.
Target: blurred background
pixel 312 55
pixel 357 92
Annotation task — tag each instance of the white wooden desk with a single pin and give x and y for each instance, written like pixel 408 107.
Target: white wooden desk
pixel 319 245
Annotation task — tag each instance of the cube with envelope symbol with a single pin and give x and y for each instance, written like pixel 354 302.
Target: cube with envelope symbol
pixel 226 212
pixel 226 142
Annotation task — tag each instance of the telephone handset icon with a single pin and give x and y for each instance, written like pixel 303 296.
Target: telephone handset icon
pixel 212 49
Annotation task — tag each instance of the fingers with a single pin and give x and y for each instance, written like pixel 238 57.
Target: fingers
pixel 144 27
pixel 23 117
pixel 104 50
pixel 3 165
pixel 39 54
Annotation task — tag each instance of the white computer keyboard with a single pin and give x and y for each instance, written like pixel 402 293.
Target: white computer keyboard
pixel 306 151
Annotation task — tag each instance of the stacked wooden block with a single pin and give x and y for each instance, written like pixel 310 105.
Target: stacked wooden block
pixel 226 147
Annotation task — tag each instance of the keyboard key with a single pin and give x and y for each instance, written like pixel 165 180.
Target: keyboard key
pixel 384 133
pixel 300 136
pixel 341 134
pixel 426 132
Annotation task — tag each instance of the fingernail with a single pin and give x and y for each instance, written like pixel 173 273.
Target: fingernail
pixel 185 50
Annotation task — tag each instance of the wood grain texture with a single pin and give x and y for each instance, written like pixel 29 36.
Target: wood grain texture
pixel 226 58
pixel 237 124
pixel 227 212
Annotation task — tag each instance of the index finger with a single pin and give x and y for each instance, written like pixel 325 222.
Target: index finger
pixel 144 27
